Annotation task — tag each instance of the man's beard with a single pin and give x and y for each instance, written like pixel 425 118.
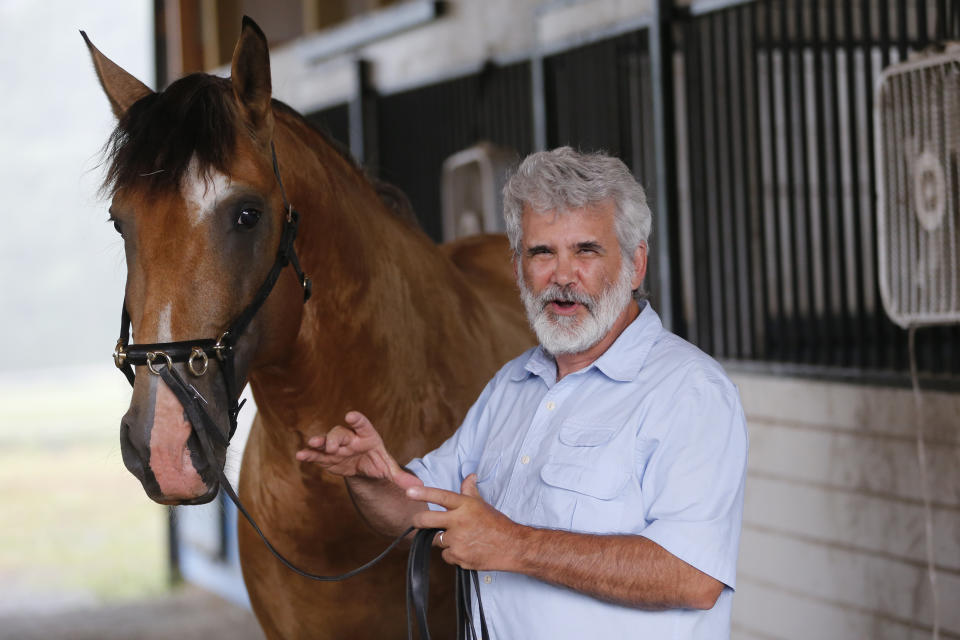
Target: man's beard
pixel 572 334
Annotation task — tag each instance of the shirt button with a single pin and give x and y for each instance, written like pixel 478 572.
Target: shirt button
pixel 525 460
pixel 551 405
pixel 487 579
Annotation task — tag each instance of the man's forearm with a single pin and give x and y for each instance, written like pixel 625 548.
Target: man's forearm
pixel 383 504
pixel 625 569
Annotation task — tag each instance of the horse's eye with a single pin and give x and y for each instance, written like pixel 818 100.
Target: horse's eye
pixel 248 218
pixel 116 225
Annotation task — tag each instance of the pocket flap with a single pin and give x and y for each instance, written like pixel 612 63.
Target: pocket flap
pixel 577 435
pixel 585 480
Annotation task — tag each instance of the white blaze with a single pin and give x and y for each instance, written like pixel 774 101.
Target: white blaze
pixel 202 192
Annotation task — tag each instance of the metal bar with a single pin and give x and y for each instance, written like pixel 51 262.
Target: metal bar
pixel 787 212
pixel 725 208
pixel 778 336
pixel 710 204
pixel 819 236
pixel 663 130
pixel 538 101
pixel 801 191
pixel 856 320
pixel 735 63
pixel 754 197
pixel 698 204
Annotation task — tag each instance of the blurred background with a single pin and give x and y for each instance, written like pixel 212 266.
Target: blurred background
pixel 75 528
pixel 753 124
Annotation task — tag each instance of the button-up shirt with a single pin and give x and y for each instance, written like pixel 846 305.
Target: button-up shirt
pixel 649 439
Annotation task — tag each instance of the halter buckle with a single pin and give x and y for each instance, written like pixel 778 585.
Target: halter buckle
pixel 153 355
pixel 219 347
pixel 198 355
pixel 119 355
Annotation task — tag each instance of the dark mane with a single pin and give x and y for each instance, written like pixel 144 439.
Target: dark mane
pixel 196 116
pixel 156 138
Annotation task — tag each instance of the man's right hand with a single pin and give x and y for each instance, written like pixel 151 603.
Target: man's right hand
pixel 356 451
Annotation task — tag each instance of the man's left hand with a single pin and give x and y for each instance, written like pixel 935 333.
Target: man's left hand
pixel 476 536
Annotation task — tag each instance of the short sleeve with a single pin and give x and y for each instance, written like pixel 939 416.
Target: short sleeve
pixel 694 481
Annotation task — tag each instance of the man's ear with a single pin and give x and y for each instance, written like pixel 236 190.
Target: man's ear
pixel 639 266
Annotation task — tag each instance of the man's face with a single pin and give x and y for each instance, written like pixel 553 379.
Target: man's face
pixel 573 279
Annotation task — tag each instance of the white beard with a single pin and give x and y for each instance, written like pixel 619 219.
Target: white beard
pixel 560 335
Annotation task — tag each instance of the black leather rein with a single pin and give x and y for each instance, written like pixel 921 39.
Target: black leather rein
pixel 159 359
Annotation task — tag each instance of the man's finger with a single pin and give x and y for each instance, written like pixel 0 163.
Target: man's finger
pixel 469 486
pixel 444 498
pixel 431 520
pixel 360 424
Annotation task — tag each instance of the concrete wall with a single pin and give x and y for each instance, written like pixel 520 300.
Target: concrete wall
pixel 833 542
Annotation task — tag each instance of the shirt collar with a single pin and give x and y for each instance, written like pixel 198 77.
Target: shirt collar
pixel 622 361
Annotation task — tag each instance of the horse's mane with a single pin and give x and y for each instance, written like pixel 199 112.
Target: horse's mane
pixel 196 117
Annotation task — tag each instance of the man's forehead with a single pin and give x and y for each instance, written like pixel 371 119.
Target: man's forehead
pixel 592 222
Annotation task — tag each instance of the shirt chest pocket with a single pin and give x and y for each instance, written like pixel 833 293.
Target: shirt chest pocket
pixel 582 483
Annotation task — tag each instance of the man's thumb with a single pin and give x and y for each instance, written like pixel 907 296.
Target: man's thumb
pixel 469 486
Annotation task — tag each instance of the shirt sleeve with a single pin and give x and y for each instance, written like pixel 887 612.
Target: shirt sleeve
pixel 694 481
pixel 446 466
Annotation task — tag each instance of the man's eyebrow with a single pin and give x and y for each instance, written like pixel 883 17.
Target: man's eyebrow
pixel 590 244
pixel 538 248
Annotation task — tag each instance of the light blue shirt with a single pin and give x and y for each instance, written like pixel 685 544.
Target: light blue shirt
pixel 650 439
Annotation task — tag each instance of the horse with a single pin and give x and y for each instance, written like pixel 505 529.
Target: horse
pixel 398 327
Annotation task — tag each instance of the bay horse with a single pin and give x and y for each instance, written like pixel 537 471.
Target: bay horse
pixel 397 327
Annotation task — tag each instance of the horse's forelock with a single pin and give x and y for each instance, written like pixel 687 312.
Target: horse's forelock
pixel 155 141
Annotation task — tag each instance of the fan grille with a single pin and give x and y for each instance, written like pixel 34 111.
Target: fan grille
pixel 918 216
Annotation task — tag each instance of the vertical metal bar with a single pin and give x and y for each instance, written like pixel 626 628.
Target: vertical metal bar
pixel 787 211
pixel 754 199
pixel 711 204
pixel 661 49
pixel 694 74
pixel 778 334
pixel 727 241
pixel 746 319
pixel 801 198
pixel 855 280
pixel 819 238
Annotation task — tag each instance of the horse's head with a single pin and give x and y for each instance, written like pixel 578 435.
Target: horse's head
pixel 201 213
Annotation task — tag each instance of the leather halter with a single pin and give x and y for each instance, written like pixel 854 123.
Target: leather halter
pixel 196 353
pixel 159 358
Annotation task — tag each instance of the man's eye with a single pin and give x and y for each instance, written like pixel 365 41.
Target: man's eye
pixel 248 218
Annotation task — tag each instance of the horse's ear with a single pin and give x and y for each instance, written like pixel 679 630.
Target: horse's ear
pixel 122 89
pixel 250 76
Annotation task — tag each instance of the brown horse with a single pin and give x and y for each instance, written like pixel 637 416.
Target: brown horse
pixel 397 327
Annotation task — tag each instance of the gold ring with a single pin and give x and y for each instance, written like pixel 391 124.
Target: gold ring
pixel 198 354
pixel 153 355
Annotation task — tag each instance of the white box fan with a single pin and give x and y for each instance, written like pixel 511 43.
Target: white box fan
pixel 917 133
pixel 470 189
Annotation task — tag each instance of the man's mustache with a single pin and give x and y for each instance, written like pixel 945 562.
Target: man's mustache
pixel 566 293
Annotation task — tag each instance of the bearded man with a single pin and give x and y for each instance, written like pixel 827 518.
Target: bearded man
pixel 597 482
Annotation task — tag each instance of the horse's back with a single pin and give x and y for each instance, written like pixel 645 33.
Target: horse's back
pixel 485 262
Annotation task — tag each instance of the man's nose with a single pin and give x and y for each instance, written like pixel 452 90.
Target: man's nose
pixel 564 271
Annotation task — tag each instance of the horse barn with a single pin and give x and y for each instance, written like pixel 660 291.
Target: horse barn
pixel 757 129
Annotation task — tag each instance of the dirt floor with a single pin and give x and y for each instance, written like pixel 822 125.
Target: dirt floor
pixel 189 613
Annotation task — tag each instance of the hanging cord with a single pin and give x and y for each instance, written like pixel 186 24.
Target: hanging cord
pixel 924 484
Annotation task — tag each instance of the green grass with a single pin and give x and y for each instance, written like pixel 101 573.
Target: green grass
pixel 71 516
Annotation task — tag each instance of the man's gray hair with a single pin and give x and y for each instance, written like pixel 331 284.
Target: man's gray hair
pixel 564 179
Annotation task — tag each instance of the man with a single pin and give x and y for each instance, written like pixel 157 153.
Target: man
pixel 597 482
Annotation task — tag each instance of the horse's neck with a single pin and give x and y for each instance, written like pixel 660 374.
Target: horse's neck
pixel 387 312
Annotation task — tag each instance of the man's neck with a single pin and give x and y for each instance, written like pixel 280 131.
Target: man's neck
pixel 568 363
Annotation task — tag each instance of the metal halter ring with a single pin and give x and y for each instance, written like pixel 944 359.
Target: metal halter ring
pixel 153 355
pixel 198 354
pixel 219 347
pixel 119 355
